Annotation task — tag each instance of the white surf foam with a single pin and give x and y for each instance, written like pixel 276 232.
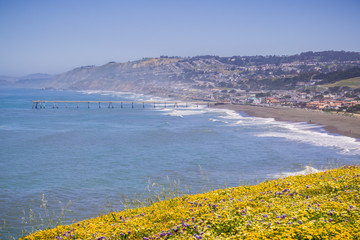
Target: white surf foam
pixel 295 131
pixel 291 131
pixel 8 127
pixel 89 91
pixel 217 120
pixel 307 170
pixel 246 121
pixel 183 112
pixel 304 134
pixel 230 114
pixel 127 95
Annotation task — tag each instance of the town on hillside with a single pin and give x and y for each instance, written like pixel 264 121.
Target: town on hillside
pixel 301 81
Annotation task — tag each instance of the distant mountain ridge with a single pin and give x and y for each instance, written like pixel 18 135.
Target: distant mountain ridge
pixel 36 80
pixel 36 76
pixel 171 74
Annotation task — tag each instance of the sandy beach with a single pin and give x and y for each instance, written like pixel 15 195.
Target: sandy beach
pixel 334 123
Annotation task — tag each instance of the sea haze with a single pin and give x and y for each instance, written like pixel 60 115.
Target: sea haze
pixel 92 156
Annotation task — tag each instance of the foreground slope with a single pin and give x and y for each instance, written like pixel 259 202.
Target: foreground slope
pixel 324 205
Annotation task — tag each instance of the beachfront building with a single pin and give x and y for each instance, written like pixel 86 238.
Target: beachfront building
pixel 272 101
pixel 330 104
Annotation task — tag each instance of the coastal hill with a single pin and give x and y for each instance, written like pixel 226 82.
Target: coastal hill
pixel 176 75
pixel 141 75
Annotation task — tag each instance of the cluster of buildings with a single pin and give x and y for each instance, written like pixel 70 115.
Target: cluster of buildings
pixel 292 98
pixel 287 98
pixel 331 104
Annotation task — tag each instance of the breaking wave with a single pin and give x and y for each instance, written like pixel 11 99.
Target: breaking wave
pixel 306 134
pixel 294 131
pixel 307 170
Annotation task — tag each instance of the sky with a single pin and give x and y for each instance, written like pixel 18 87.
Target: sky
pixel 42 36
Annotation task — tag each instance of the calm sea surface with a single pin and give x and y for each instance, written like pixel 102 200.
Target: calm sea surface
pixel 94 156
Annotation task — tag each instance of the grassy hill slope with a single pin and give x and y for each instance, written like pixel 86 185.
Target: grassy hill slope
pixel 324 205
pixel 351 82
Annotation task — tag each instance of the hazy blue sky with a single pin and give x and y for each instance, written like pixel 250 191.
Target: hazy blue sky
pixel 53 36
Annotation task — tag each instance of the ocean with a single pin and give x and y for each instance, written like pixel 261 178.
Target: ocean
pixel 93 157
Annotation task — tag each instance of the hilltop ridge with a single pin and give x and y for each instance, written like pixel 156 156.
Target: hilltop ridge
pixel 175 76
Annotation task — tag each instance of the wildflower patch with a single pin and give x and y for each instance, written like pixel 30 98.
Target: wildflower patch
pixel 323 205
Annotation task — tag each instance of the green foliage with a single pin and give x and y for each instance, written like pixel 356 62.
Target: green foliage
pixel 232 91
pixel 354 109
pixel 332 77
pixel 222 84
pixel 351 82
pixel 325 56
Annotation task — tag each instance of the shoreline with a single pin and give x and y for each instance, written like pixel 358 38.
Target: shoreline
pixel 331 122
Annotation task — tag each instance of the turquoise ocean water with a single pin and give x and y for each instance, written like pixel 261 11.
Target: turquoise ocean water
pixel 94 156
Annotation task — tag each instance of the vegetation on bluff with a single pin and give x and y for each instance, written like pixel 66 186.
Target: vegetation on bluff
pixel 350 82
pixel 324 205
pixel 339 75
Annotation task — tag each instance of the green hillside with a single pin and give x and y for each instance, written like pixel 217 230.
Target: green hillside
pixel 351 82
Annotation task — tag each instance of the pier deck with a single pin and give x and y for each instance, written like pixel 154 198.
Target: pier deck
pixel 111 104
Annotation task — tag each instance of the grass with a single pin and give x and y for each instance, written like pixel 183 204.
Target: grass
pixel 323 205
pixel 351 82
pixel 46 220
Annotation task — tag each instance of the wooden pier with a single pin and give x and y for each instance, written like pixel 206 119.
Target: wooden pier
pixel 40 104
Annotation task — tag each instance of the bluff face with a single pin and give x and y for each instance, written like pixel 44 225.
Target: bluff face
pixel 142 75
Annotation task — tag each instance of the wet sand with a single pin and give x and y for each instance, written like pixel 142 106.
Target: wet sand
pixel 334 123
